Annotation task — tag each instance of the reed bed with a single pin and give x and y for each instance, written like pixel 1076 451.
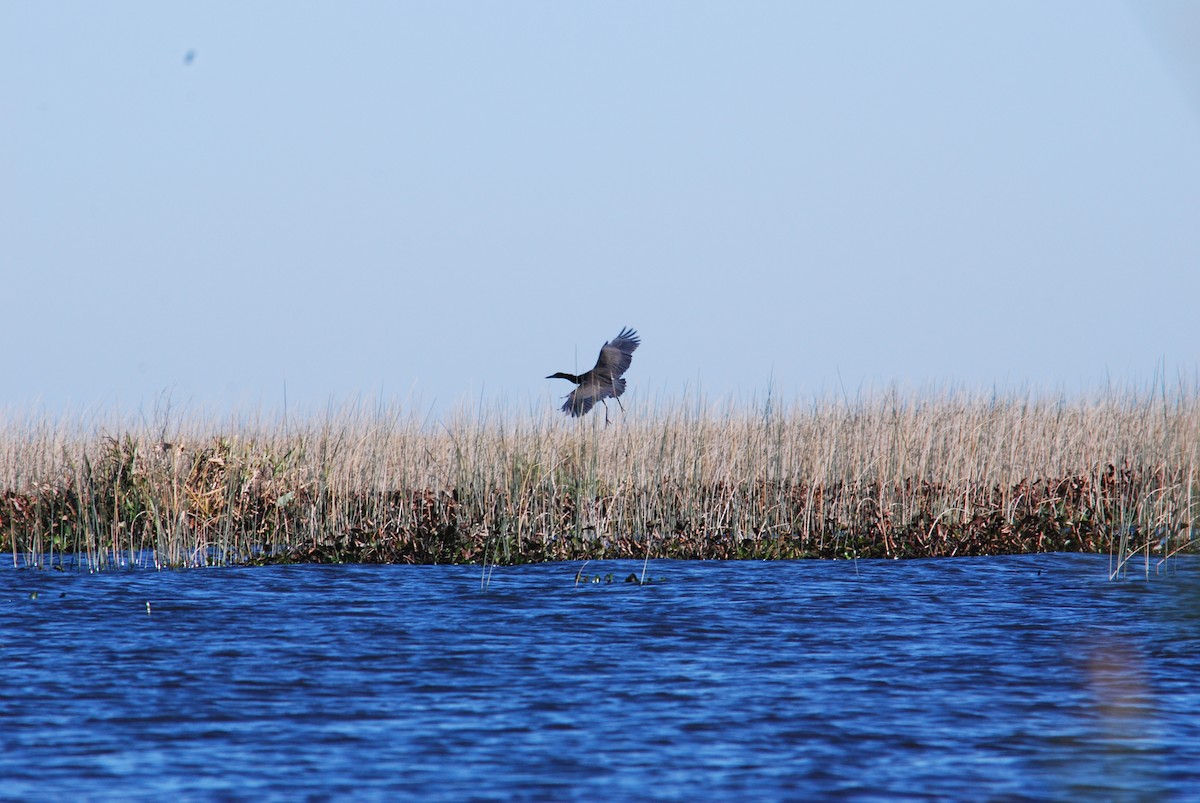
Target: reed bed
pixel 893 475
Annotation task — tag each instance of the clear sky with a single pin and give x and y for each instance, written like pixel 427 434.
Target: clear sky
pixel 445 202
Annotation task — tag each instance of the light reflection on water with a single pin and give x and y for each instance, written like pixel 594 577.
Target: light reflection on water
pixel 1031 676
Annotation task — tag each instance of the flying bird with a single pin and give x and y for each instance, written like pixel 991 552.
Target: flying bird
pixel 604 381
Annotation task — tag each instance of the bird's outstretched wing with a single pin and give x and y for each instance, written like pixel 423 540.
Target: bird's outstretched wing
pixel 580 401
pixel 616 355
pixel 584 398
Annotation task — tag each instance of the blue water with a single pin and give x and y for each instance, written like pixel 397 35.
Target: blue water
pixel 1030 677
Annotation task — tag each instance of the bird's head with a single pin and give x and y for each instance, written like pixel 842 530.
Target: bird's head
pixel 561 375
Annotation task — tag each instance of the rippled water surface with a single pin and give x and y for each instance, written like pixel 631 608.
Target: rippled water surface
pixel 1018 677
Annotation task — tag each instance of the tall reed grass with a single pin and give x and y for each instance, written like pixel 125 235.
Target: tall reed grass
pixel 899 475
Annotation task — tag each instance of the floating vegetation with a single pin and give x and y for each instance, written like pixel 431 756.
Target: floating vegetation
pixel 608 578
pixel 890 476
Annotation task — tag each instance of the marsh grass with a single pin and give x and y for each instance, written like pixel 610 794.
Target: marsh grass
pixel 893 475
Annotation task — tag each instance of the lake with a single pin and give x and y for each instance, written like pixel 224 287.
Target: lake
pixel 1025 677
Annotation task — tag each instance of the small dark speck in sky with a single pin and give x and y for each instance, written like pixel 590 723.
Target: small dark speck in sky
pixel 189 57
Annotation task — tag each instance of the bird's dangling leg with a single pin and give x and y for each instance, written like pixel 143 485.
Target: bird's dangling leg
pixel 602 401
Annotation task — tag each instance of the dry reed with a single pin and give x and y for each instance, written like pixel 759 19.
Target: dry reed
pixel 893 475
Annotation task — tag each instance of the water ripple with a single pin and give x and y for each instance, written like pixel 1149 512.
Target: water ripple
pixel 1032 677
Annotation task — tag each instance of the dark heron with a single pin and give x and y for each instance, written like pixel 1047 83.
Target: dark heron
pixel 604 381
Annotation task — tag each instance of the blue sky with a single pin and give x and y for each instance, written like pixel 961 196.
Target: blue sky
pixel 441 203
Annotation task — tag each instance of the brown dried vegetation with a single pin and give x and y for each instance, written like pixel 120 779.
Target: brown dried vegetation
pixel 886 477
